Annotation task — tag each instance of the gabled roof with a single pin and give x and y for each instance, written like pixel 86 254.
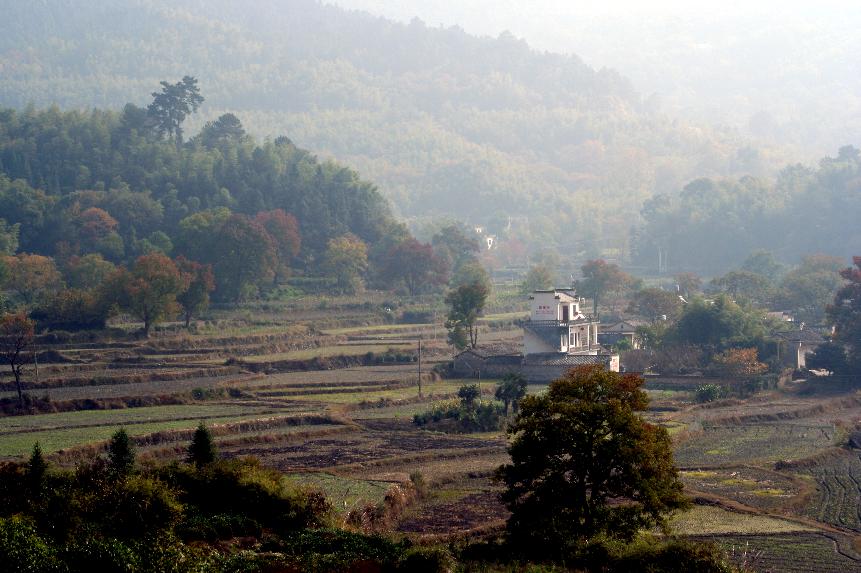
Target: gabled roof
pixel 619 327
pixel 560 359
pixel 806 335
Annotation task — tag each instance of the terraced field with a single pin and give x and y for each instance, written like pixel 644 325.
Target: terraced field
pixel 752 443
pixel 837 496
pixel 348 431
pixel 790 553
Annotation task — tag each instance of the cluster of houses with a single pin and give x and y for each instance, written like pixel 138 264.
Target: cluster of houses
pixel 558 335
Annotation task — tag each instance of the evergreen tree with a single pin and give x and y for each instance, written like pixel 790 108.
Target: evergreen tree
pixel 202 449
pixel 121 454
pixel 37 467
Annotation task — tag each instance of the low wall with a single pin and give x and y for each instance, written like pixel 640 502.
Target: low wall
pixel 661 382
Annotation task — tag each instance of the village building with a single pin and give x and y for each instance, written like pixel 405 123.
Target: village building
pixel 556 336
pixel 797 344
pixel 612 334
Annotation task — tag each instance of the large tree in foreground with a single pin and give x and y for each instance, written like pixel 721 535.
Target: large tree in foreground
pixel 16 339
pixel 584 463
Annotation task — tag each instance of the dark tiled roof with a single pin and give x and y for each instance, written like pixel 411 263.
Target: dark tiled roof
pixel 505 360
pixel 619 327
pixel 806 335
pixel 559 359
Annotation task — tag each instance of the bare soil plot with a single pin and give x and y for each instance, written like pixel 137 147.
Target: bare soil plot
pixel 458 508
pixel 376 445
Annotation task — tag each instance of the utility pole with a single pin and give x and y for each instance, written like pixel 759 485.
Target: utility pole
pixel 420 367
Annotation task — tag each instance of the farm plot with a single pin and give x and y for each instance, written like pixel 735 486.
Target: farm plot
pixel 459 507
pixel 430 390
pixel 710 520
pixel 344 493
pixel 837 497
pixel 378 445
pixel 20 444
pixel 328 351
pixel 755 487
pixel 750 444
pixel 124 417
pixel 799 552
pixel 150 388
pixel 357 375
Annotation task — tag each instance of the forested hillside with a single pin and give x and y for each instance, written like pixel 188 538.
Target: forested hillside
pixel 714 223
pixel 104 211
pixel 445 123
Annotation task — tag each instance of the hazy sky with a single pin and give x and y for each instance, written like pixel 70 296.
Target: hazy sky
pixel 722 61
pixel 543 22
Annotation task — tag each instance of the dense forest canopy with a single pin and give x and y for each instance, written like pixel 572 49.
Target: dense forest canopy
pixel 447 124
pixel 714 224
pixel 56 167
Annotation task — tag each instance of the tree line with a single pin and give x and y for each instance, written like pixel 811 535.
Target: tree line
pixel 103 212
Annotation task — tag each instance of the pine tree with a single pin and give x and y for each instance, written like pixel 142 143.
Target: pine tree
pixel 202 449
pixel 37 467
pixel 121 454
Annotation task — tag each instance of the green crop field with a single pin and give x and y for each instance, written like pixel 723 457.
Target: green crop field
pixel 708 520
pixel 429 389
pixel 800 552
pixel 127 416
pixel 328 351
pixel 20 444
pixel 344 493
pixel 837 499
pixel 752 443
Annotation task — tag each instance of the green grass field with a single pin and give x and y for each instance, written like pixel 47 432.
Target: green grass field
pixel 344 493
pixel 429 389
pixel 708 520
pixel 327 351
pixel 65 420
pixel 20 444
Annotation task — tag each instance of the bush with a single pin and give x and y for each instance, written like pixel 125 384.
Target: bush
pixel 244 487
pixel 427 560
pixel 709 393
pixel 22 549
pixel 481 418
pixel 416 317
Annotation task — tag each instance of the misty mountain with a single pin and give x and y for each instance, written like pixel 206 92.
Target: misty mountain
pixel 447 124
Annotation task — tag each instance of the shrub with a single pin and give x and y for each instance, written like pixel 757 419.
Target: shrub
pixel 22 549
pixel 427 560
pixel 708 393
